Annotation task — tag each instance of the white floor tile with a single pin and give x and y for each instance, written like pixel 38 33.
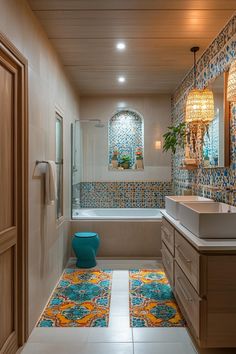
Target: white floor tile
pixel 84 348
pixel 119 305
pixel 119 322
pixel 59 335
pixel 108 348
pixel 118 338
pixel 120 285
pixel 162 348
pixel 120 275
pixel 114 333
pixel 160 335
pixel 49 348
pixel 110 335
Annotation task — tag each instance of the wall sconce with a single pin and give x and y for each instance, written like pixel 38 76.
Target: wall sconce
pixel 231 87
pixel 158 144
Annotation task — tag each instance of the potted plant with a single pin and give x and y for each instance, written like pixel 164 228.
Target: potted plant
pixel 176 136
pixel 125 161
pixel 114 159
pixel 139 158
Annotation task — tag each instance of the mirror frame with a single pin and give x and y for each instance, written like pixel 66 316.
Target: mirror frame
pixel 226 117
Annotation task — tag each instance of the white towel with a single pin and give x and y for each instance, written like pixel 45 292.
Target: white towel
pixel 50 183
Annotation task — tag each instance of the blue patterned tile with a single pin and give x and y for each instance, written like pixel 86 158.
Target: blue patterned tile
pixel 215 60
pixel 124 194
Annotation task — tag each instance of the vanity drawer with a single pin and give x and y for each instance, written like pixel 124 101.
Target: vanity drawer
pixel 168 262
pixel 188 300
pixel 188 259
pixel 167 235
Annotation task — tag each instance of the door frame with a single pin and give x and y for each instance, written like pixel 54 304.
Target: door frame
pixel 22 205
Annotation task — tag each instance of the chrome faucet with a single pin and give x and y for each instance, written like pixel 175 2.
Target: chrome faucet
pixel 229 192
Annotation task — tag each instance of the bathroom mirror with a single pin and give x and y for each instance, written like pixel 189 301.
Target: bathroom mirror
pixel 217 137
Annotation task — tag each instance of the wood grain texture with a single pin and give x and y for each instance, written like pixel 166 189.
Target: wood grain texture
pixel 168 262
pixel 167 236
pixel 221 304
pixel 7 204
pixel 14 198
pixel 158 36
pixel 188 259
pixel 188 298
pixel 7 295
pixel 8 190
pixel 131 4
pixel 205 290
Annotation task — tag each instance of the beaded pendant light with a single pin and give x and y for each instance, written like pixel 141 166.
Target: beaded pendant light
pixel 200 103
pixel 231 88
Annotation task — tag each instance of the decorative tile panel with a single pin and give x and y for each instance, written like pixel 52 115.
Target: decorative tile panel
pixel 123 194
pixel 215 60
pixel 125 134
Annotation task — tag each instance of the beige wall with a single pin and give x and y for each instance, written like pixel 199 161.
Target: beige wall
pixel 48 87
pixel 155 110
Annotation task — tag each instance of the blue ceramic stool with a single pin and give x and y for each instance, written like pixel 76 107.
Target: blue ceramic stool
pixel 85 246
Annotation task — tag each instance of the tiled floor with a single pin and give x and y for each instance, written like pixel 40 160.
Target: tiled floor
pixel 118 338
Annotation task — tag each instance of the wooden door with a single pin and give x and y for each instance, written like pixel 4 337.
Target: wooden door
pixel 13 230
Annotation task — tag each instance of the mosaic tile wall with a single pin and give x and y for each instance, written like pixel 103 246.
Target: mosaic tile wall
pixel 215 60
pixel 122 194
pixel 125 133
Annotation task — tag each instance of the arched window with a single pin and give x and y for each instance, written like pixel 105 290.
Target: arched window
pixel 126 142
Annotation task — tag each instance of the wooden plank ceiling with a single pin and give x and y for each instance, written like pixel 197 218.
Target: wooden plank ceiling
pixel 158 35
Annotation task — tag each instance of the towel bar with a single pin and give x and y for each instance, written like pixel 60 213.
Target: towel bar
pixel 43 161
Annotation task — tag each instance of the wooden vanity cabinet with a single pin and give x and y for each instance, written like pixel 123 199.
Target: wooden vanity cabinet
pixel 204 284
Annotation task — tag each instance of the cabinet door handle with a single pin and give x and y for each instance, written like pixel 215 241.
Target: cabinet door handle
pixel 183 255
pixel 187 298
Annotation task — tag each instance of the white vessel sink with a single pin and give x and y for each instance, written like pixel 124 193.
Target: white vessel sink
pixel 172 203
pixel 208 220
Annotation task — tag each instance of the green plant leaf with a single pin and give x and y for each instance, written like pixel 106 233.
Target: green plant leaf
pixel 174 137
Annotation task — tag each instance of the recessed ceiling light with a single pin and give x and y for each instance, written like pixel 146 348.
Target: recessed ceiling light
pixel 120 46
pixel 121 79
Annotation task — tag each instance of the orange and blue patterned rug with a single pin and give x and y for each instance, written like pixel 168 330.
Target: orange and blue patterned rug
pixel 152 302
pixel 81 299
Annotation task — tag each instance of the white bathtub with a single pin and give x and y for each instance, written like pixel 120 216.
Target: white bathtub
pixel 124 233
pixel 117 214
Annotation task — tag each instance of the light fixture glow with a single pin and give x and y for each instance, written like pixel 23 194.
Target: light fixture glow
pixel 120 46
pixel 122 105
pixel 121 79
pixel 158 144
pixel 200 103
pixel 200 106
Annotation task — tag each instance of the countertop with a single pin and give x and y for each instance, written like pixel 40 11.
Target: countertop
pixel 199 243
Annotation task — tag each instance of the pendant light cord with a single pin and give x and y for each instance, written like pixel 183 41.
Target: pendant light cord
pixel 194 50
pixel 195 70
